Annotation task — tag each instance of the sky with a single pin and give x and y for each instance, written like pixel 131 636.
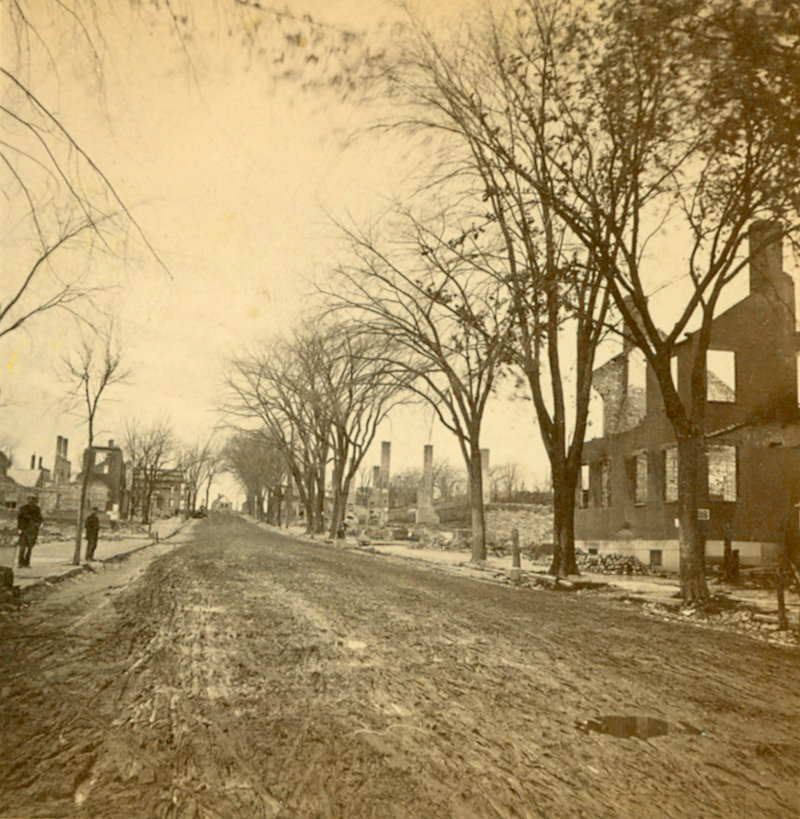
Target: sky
pixel 233 173
pixel 233 147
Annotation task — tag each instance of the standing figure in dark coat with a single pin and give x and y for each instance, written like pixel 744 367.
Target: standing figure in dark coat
pixel 92 530
pixel 29 519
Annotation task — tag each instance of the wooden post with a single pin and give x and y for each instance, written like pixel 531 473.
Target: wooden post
pixel 783 623
pixel 516 571
pixel 727 559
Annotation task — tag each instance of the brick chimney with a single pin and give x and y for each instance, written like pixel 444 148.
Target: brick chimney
pixel 766 264
pixel 33 461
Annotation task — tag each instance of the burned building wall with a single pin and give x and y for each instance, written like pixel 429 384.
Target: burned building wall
pixel 630 503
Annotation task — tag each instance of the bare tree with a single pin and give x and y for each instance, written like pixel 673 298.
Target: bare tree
pixel 506 480
pixel 555 290
pixel 359 387
pixel 258 466
pixel 403 487
pixel 64 212
pixel 277 388
pixel 450 330
pixel 64 208
pixel 91 369
pixel 198 463
pixel 448 479
pixel 212 467
pixel 149 448
pixel 321 397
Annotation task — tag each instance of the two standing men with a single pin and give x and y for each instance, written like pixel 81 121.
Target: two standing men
pixel 29 520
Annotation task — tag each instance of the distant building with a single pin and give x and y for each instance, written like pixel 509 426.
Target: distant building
pixel 627 498
pixel 34 477
pixel 11 492
pixel 106 488
pixel 168 496
pixel 221 504
pixel 62 467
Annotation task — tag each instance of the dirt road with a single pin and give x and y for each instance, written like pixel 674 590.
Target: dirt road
pixel 244 674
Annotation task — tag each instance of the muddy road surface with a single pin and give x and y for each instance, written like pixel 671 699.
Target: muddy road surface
pixel 240 673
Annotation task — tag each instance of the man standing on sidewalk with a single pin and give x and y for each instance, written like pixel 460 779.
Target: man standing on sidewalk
pixel 92 530
pixel 29 520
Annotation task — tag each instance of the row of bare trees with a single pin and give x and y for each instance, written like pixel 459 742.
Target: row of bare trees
pixel 580 140
pixel 314 401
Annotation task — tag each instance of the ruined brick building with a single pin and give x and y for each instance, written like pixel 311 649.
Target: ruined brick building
pixel 107 487
pixel 627 500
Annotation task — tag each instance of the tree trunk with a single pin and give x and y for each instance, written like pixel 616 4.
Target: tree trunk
pixel 563 523
pixel 148 500
pixel 310 501
pixel 337 513
pixel 476 505
pixel 289 505
pixel 260 505
pixel 319 511
pixel 339 501
pixel 692 542
pixel 88 463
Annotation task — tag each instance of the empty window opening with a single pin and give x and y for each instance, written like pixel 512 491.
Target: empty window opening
pixel 584 491
pixel 722 473
pixel 637 371
pixel 656 558
pixel 671 474
pixel 605 482
pixel 721 375
pixel 640 478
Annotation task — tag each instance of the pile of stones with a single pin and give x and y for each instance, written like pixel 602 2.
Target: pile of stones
pixel 610 564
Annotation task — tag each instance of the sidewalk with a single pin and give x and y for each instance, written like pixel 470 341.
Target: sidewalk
pixel 663 592
pixel 53 560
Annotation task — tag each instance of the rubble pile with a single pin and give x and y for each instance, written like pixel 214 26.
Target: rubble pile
pixel 759 624
pixel 610 564
pixel 436 539
pixel 50 534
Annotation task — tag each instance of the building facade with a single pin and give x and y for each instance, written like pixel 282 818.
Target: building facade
pixel 168 495
pixel 627 497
